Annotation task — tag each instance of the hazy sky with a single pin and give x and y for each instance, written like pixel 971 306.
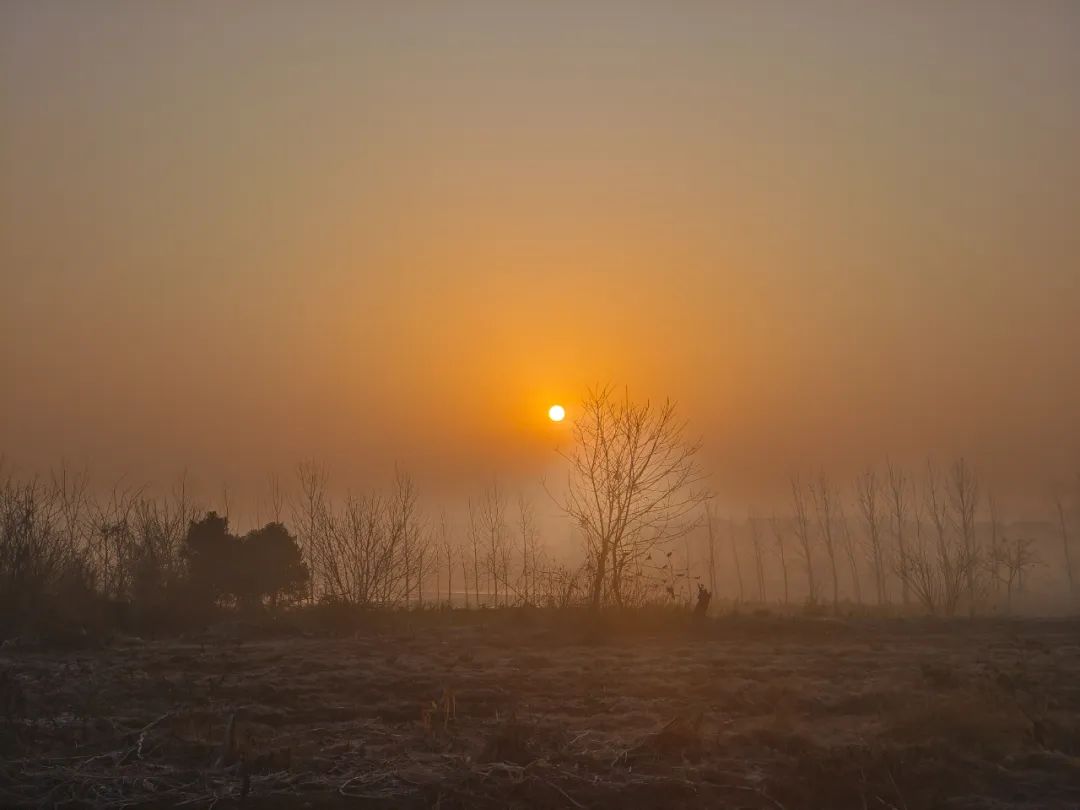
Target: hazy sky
pixel 237 235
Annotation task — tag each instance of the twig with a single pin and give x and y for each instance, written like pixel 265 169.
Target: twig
pixel 561 792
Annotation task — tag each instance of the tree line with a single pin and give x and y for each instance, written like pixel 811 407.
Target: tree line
pixel 68 555
pixel 933 543
pixel 649 531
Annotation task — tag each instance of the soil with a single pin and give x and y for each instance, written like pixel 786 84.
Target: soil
pixel 537 709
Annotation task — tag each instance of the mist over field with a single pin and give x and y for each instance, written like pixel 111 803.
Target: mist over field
pixel 232 238
pixel 560 405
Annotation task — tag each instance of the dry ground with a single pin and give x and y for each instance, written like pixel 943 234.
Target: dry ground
pixel 553 710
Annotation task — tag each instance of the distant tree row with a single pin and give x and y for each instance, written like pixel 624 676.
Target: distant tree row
pixel 68 557
pixel 937 544
pixel 634 492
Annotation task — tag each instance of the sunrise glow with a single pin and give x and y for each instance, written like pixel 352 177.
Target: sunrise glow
pixel 291 295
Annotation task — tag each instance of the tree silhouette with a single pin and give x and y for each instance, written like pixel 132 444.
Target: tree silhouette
pixel 212 557
pixel 272 566
pixel 266 564
pixel 634 482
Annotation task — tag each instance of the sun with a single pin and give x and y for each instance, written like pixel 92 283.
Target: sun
pixel 556 413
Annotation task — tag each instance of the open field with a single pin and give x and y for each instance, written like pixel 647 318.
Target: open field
pixel 553 711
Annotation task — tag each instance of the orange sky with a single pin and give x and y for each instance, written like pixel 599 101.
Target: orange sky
pixel 235 236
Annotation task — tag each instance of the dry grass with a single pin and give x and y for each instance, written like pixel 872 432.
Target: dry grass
pixel 500 711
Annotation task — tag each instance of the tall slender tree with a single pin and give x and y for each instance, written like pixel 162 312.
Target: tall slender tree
pixel 868 492
pixel 779 539
pixel 824 498
pixel 804 535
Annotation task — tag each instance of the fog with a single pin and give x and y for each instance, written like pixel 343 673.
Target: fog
pixel 234 239
pixel 288 290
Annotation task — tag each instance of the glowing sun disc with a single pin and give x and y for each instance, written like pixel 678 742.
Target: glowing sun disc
pixel 556 413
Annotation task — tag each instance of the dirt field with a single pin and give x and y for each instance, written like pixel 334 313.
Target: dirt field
pixel 528 710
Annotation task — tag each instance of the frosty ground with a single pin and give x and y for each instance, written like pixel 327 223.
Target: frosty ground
pixel 551 709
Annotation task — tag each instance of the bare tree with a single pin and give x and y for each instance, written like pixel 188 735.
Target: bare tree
pixel 355 550
pixel 225 501
pixel 634 482
pixel 803 533
pixel 59 543
pixel 993 553
pixel 492 524
pixel 408 532
pixel 941 569
pixel 277 497
pixel 1013 561
pixel 687 565
pixel 847 542
pixel 946 573
pixel 759 554
pixel 733 537
pixel 529 549
pixel 71 491
pixel 446 546
pixel 465 575
pixel 1065 544
pixel 370 552
pixel 114 551
pixel 899 490
pixel 778 537
pixel 475 540
pixel 310 515
pixel 711 538
pixel 825 506
pixel 35 552
pixel 920 568
pixel 423 562
pixel 867 491
pixel 937 508
pixel 160 525
pixel 963 489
